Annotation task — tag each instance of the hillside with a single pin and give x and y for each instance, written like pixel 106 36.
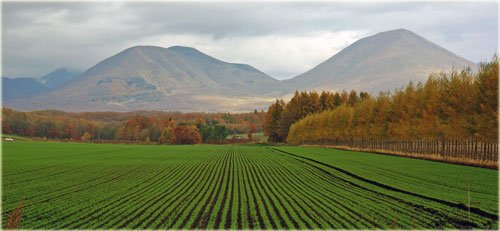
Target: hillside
pixel 13 88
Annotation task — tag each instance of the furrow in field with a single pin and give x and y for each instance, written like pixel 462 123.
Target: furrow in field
pixel 307 200
pixel 39 187
pixel 79 190
pixel 276 191
pixel 37 178
pixel 456 222
pixel 86 214
pixel 378 201
pixel 291 195
pixel 106 202
pixel 146 173
pixel 239 214
pixel 430 208
pixel 347 209
pixel 185 214
pixel 347 195
pixel 448 203
pixel 169 198
pixel 252 196
pixel 78 186
pixel 348 191
pixel 154 203
pixel 176 190
pixel 184 198
pixel 209 218
pixel 223 209
pixel 143 200
pixel 265 201
pixel 230 211
pixel 202 217
pixel 184 195
pixel 57 166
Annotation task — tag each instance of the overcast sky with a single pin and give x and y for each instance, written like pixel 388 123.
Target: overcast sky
pixel 281 39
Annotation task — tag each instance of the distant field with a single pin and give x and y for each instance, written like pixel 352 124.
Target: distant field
pixel 259 137
pixel 15 137
pixel 90 186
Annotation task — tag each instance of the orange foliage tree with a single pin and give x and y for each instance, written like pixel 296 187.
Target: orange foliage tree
pixel 458 105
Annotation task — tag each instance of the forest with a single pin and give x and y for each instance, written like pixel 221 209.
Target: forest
pixel 458 105
pixel 131 127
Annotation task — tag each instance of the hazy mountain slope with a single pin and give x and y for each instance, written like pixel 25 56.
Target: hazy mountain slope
pixel 147 77
pixel 58 77
pixel 27 87
pixel 383 61
pixel 21 88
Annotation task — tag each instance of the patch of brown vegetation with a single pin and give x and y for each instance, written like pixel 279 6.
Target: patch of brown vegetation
pixel 14 218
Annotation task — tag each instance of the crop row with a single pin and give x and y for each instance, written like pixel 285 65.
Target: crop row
pixel 228 187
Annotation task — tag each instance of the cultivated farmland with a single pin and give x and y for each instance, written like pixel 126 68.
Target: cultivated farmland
pixel 90 186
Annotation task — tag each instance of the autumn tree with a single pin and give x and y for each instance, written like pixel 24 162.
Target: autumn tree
pixel 457 105
pixel 487 101
pixel 327 101
pixel 352 98
pixel 167 136
pixel 271 124
pixel 86 137
pixel 187 135
pixel 251 130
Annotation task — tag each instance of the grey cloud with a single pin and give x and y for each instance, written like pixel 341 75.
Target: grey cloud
pixel 39 37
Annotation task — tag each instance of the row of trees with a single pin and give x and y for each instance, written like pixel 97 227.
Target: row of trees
pixel 280 115
pixel 145 127
pixel 459 105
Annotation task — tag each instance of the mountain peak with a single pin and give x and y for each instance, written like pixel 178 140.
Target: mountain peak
pixel 182 48
pixel 383 61
pixel 150 50
pixel 59 77
pixel 395 35
pixel 400 31
pixel 189 51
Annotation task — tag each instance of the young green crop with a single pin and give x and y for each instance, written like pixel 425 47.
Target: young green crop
pixel 101 186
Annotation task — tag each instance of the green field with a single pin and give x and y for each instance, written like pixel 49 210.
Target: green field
pixel 90 186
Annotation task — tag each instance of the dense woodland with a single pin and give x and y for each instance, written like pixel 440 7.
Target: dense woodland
pixel 135 127
pixel 458 105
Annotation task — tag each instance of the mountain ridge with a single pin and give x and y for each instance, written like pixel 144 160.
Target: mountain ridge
pixel 145 77
pixel 25 87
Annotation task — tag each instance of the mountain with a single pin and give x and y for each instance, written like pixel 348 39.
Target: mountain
pixel 185 79
pixel 21 88
pixel 58 77
pixel 148 77
pixel 13 88
pixel 381 62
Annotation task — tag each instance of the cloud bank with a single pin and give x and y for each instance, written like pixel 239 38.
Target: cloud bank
pixel 283 39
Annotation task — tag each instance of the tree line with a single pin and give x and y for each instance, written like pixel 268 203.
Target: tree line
pixel 137 127
pixel 280 115
pixel 458 105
